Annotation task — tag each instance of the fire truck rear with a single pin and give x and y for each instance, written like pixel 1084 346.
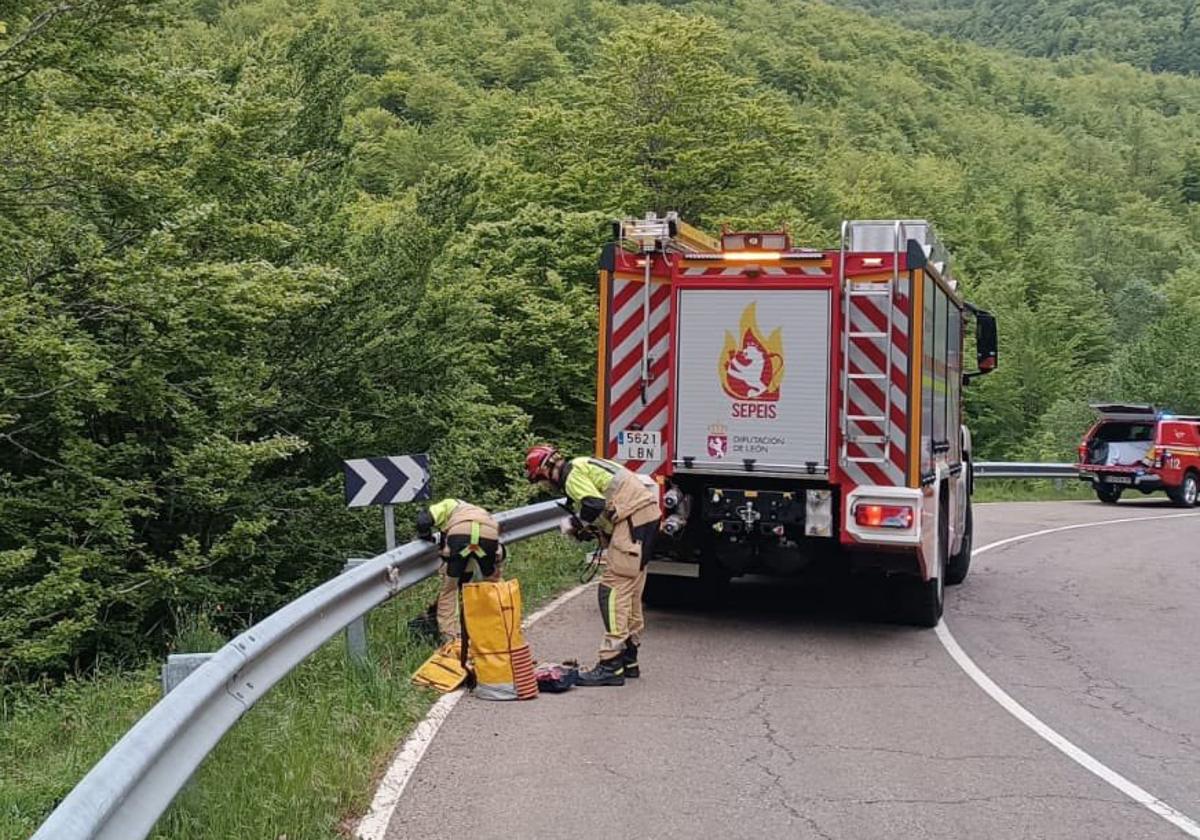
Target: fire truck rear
pixel 797 407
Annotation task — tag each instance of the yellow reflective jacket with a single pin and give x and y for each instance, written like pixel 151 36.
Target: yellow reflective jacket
pixel 604 492
pixel 454 516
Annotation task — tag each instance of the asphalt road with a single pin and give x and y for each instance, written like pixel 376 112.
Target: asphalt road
pixel 793 713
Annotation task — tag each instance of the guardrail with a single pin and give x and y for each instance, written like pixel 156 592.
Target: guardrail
pixel 997 469
pixel 123 796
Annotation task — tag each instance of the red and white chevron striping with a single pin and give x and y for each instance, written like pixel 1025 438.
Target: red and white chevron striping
pixel 629 407
pixel 866 397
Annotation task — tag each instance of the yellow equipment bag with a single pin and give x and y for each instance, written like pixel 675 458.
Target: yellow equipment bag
pixel 502 661
pixel 442 670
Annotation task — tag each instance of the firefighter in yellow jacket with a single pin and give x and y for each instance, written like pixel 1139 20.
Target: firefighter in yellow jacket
pixel 470 546
pixel 613 500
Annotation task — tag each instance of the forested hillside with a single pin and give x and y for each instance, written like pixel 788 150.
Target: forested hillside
pixel 241 241
pixel 1162 35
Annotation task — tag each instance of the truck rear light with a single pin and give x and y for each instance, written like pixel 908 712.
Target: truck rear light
pixel 883 516
pixel 753 256
pixel 1083 451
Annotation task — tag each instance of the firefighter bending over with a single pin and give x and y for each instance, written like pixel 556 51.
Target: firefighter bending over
pixel 470 546
pixel 613 501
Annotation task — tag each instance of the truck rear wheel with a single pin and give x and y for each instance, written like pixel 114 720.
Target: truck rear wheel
pixel 1108 494
pixel 922 601
pixel 1185 494
pixel 960 563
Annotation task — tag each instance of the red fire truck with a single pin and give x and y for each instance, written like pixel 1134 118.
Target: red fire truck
pixel 795 406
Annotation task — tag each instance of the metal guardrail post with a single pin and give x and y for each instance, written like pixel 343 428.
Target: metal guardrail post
pixel 356 630
pixel 179 667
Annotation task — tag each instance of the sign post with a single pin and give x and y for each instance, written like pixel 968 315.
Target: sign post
pixel 387 482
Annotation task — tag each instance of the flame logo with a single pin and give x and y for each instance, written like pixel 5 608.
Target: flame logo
pixel 752 368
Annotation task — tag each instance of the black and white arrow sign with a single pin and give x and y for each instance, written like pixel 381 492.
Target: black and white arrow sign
pixel 386 481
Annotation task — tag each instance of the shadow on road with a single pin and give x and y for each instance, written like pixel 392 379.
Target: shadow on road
pixel 1148 502
pixel 832 603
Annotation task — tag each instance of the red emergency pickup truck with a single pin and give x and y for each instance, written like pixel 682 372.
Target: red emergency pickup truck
pixel 1137 447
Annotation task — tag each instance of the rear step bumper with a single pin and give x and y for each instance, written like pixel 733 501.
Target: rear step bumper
pixel 673 568
pixel 1144 481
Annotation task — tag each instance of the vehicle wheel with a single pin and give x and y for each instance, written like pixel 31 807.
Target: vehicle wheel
pixel 1185 494
pixel 959 564
pixel 1108 494
pixel 923 600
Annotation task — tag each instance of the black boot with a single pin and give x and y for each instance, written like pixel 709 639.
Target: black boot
pixel 632 670
pixel 604 672
pixel 425 626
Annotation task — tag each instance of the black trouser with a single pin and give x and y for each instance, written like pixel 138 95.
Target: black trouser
pixel 645 534
pixel 456 563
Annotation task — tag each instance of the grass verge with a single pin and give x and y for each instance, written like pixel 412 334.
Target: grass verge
pixel 300 765
pixel 1031 490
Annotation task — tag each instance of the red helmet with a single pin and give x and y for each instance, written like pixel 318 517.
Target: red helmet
pixel 537 458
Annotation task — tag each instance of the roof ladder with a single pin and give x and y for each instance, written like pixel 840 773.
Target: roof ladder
pixel 884 292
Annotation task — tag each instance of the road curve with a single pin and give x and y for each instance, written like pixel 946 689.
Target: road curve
pixel 791 713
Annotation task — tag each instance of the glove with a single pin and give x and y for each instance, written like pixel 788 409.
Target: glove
pixel 425 526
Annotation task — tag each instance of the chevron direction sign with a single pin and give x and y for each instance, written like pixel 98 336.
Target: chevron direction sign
pixel 386 481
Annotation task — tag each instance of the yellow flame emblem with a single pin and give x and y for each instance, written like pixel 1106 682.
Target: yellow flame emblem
pixel 751 364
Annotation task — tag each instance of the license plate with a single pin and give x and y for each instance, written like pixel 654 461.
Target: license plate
pixel 637 445
pixel 1119 479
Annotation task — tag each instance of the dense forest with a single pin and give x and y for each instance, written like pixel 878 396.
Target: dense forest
pixel 1161 35
pixel 240 241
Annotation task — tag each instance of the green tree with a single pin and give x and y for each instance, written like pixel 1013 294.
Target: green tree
pixel 277 233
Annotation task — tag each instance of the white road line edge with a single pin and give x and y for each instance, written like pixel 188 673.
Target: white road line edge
pixel 374 824
pixel 1139 795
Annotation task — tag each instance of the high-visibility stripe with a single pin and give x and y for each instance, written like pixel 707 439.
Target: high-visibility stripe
pixel 917 376
pixel 602 362
pixel 627 286
pixel 878 319
pixel 608 466
pixel 630 382
pixel 626 328
pixel 640 415
pixel 658 334
pixel 627 355
pixel 861 362
pixel 631 396
pixel 628 405
pixel 866 397
pixel 474 549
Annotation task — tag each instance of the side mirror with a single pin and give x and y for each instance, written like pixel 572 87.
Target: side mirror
pixel 986 343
